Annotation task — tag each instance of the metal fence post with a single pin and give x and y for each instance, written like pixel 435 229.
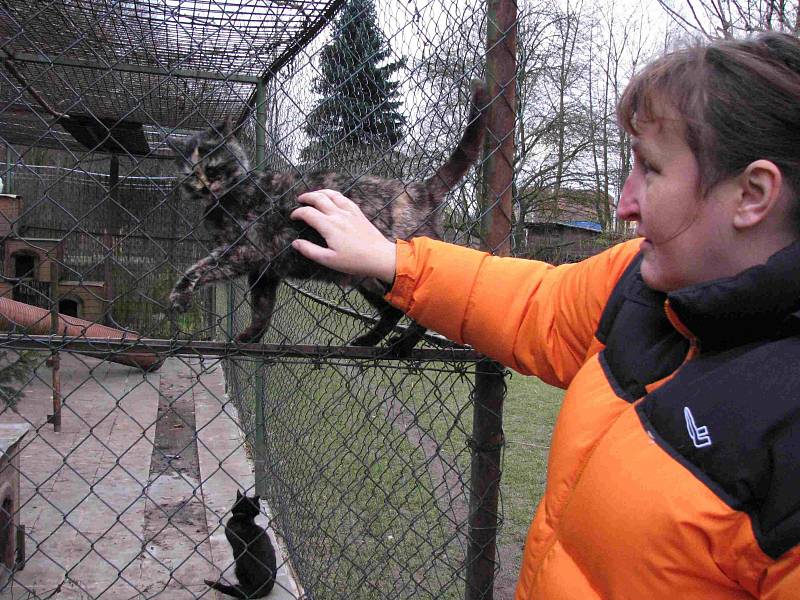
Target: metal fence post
pixel 260 441
pixel 486 445
pixel 498 175
pixel 261 124
pixel 229 325
pixel 108 278
pixel 261 368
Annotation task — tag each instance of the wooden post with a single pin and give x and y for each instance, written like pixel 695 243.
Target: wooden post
pixel 8 181
pixel 108 271
pixel 54 362
pixel 108 240
pixel 498 176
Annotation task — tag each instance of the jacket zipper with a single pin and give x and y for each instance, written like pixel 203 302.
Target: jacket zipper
pixel 672 317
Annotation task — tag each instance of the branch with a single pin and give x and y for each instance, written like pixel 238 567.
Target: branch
pixel 682 21
pixel 8 62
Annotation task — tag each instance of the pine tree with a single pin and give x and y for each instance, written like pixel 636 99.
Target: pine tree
pixel 359 103
pixel 13 374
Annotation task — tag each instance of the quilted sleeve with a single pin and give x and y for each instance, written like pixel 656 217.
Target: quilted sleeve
pixel 531 316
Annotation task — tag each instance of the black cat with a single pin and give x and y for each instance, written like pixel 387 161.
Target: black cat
pixel 248 214
pixel 253 552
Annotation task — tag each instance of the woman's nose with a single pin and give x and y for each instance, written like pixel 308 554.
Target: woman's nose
pixel 628 205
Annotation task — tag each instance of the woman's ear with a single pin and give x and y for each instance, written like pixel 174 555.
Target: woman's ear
pixel 761 185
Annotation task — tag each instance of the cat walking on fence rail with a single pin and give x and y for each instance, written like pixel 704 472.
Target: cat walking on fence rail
pixel 256 565
pixel 248 211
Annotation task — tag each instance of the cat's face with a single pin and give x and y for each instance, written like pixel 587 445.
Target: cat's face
pixel 211 162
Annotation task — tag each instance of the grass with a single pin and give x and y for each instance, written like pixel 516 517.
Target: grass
pixel 350 490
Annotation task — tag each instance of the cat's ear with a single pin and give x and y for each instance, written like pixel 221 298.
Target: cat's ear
pixel 176 144
pixel 238 494
pixel 225 127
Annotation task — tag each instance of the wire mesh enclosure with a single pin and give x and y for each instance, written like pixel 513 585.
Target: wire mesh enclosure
pixel 129 427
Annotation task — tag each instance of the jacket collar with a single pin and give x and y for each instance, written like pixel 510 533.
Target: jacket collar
pixel 758 303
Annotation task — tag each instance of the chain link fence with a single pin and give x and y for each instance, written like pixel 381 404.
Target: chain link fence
pixel 127 429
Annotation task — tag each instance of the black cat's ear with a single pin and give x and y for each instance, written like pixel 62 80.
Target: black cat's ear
pixel 238 494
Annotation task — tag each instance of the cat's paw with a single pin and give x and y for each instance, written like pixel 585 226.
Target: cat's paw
pixel 368 339
pixel 248 337
pixel 180 301
pixel 400 346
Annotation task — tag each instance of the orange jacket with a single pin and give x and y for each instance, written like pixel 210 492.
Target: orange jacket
pixel 674 470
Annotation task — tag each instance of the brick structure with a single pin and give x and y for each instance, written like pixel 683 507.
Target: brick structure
pixel 10 441
pixel 30 270
pixel 87 297
pixel 10 208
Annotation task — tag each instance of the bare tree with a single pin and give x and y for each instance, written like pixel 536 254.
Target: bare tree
pixel 552 132
pixel 617 47
pixel 732 18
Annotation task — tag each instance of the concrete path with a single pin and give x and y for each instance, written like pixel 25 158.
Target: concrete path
pixel 127 501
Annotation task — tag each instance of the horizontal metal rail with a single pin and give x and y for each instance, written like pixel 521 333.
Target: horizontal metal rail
pixel 166 348
pixel 43 59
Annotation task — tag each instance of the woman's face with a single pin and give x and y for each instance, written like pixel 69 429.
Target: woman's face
pixel 687 238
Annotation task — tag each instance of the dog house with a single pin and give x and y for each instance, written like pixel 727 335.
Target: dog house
pixel 29 272
pixel 12 540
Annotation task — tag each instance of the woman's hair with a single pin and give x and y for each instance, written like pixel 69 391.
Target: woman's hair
pixel 739 99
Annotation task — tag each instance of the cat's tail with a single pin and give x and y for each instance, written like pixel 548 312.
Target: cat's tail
pixel 469 147
pixel 230 590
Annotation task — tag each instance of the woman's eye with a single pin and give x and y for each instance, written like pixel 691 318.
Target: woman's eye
pixel 646 166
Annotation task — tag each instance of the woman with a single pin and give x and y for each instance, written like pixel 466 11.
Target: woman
pixel 675 462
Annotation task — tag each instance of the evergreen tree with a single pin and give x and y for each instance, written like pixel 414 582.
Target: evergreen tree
pixel 359 103
pixel 13 374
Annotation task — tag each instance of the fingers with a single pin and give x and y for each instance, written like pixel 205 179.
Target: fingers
pixel 311 216
pixel 326 200
pixel 313 252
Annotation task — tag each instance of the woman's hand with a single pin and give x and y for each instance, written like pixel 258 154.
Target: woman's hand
pixel 355 245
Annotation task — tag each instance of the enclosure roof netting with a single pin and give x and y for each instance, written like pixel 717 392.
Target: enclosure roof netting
pixel 168 64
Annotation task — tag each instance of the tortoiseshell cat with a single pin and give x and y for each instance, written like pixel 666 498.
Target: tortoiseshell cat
pixel 253 552
pixel 248 214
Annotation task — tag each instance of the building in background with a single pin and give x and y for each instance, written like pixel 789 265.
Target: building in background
pixel 568 226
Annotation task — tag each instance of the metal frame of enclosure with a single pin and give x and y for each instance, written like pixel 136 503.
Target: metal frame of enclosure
pixel 138 74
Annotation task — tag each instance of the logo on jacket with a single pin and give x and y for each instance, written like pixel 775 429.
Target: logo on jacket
pixel 699 435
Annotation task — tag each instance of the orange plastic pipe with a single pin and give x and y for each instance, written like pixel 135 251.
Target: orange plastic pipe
pixel 18 317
